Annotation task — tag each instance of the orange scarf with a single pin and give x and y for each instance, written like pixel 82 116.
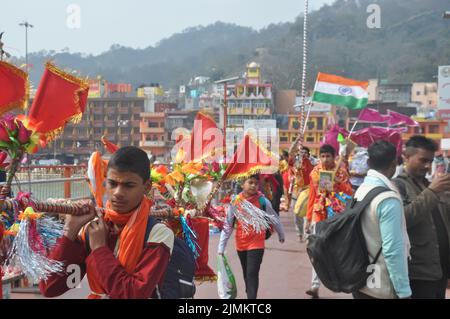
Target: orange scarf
pixel 131 240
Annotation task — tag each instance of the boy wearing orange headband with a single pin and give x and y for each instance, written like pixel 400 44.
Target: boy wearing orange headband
pixel 110 249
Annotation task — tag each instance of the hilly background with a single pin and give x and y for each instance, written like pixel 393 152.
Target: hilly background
pixel 412 41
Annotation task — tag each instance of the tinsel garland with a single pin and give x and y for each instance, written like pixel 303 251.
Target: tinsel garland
pixel 189 236
pixel 251 217
pixel 35 236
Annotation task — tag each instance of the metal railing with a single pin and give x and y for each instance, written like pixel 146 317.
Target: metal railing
pixel 55 181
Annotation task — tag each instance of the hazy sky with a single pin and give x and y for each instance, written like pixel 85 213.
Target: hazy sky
pixel 135 23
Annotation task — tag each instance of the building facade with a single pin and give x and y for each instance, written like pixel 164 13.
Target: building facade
pixel 116 118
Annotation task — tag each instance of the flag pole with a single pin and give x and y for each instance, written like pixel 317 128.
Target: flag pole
pixel 353 128
pixel 307 117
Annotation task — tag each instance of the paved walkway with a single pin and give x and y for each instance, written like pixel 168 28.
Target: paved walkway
pixel 285 271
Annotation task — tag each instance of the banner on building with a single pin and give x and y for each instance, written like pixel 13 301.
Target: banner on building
pixel 444 87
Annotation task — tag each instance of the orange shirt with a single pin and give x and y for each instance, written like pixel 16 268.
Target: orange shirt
pixel 250 240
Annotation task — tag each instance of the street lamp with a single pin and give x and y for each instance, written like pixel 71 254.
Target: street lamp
pixel 446 15
pixel 26 25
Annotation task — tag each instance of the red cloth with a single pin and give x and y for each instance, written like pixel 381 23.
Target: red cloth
pixel 307 168
pixel 252 239
pixel 117 283
pixel 1 271
pixel 60 98
pixel 369 115
pixel 400 119
pixel 13 84
pixel 203 272
pixel 205 142
pixel 250 158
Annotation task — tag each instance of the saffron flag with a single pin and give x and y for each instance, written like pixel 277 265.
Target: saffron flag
pixel 13 87
pixel 61 97
pixel 338 90
pixel 251 158
pixel 205 142
pixel 109 146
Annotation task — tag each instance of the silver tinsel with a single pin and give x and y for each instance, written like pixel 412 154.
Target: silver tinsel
pixel 253 218
pixel 35 265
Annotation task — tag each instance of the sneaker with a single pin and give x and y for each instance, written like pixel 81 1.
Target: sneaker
pixel 313 292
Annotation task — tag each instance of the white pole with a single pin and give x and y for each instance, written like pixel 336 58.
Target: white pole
pixel 353 128
pixel 307 118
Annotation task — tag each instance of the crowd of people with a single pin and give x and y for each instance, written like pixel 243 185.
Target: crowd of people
pixel 407 226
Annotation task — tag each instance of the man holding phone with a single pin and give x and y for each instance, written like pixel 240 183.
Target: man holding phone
pixel 427 211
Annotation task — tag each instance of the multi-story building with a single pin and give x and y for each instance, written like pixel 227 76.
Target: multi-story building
pixel 289 127
pixel 434 129
pixel 424 94
pixel 248 99
pixel 382 90
pixel 154 136
pixel 118 118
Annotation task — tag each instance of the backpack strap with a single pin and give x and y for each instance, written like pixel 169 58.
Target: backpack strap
pixel 151 222
pixel 369 197
pixel 366 202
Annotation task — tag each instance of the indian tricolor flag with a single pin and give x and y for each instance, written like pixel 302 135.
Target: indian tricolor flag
pixel 337 90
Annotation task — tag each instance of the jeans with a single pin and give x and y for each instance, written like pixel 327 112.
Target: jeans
pixel 251 262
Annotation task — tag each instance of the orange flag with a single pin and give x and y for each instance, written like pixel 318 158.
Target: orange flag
pixel 109 146
pixel 250 158
pixel 13 87
pixel 61 97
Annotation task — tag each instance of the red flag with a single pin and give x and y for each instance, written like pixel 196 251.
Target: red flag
pixel 250 158
pixel 61 97
pixel 400 119
pixel 13 87
pixel 206 140
pixel 372 116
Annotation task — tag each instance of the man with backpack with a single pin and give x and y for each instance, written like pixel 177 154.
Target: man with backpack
pixel 384 228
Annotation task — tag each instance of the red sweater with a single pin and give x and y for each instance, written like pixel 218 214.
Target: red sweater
pixel 117 283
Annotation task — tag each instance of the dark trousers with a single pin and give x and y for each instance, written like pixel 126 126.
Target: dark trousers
pixel 427 289
pixel 251 261
pixel 360 295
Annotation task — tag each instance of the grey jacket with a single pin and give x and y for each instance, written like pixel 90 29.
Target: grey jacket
pixel 419 202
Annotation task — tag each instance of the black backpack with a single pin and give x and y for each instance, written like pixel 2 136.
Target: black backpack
pixel 178 280
pixel 338 250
